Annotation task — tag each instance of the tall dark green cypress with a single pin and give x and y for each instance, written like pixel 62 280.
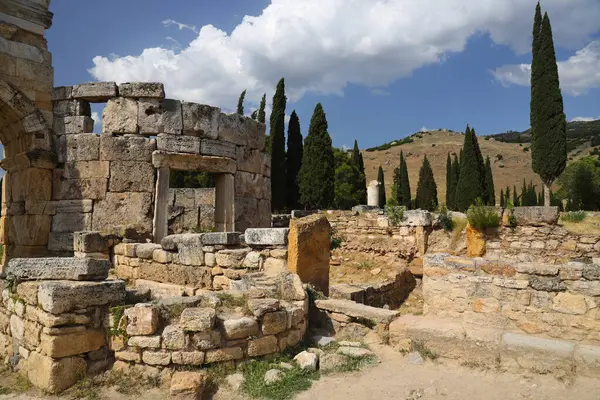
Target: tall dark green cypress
pixel 355 154
pixel 317 174
pixel 516 201
pixel 502 203
pixel 278 179
pixel 254 114
pixel 450 193
pixel 293 161
pixel 357 160
pixel 470 185
pixel 507 196
pixel 363 198
pixel 404 198
pixel 240 106
pixel 426 189
pixel 548 120
pixel 381 180
pixel 455 176
pixel 490 192
pixel 261 109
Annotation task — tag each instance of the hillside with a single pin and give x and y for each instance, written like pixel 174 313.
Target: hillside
pixel 511 162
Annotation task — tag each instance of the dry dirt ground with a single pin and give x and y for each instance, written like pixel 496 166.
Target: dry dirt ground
pixel 395 378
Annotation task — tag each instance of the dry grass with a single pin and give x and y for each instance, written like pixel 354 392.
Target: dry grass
pixel 458 225
pixel 589 226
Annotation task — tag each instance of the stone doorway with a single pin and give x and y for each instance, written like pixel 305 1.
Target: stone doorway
pixel 223 169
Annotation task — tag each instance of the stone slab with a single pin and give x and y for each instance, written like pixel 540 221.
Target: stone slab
pixel 142 89
pixel 74 269
pixel 267 236
pixel 95 92
pixel 57 297
pixel 356 310
pixel 224 238
pixel 536 216
pixel 200 120
pixel 178 144
pixel 217 148
pixel 190 162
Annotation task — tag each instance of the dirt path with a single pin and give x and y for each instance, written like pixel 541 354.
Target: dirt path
pixel 395 378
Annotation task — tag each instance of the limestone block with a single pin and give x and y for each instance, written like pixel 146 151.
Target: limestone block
pixel 72 125
pixel 174 338
pixel 131 176
pixel 246 213
pixel 62 93
pixel 141 320
pixel 146 250
pixel 308 250
pixel 178 144
pixel 217 148
pixel 95 92
pixel 221 283
pixel 416 218
pixel 186 385
pixel 266 236
pixel 264 212
pixel 307 361
pixel 475 242
pixel 72 222
pixel 62 296
pixel 356 310
pixel 264 345
pixel 534 353
pixel 60 241
pixel 249 185
pixel 274 322
pixel 75 269
pixel 90 242
pixel 536 216
pixel 231 258
pixel 197 319
pixel 123 209
pixel 86 169
pixel 160 116
pixel 53 375
pixel 17 327
pixel 241 131
pixel 249 160
pixel 145 342
pixel 223 355
pixel 292 288
pixel 206 340
pixel 126 148
pixel 188 357
pixel 188 162
pixel 156 357
pixel 133 356
pixel 120 115
pixel 275 266
pixel 260 307
pixel 71 108
pixel 240 328
pixel 347 292
pixel 200 120
pixel 587 359
pixel 142 89
pixel 72 344
pixel 223 238
pixel 568 303
pixel 253 260
pixel 83 147
pixel 77 189
pixel 29 230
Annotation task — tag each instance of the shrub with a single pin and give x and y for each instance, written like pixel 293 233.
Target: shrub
pixel 499 157
pixel 525 149
pixel 573 216
pixel 395 214
pixel 445 219
pixel 481 216
pixel 336 242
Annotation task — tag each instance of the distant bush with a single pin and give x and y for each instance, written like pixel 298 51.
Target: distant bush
pixel 389 145
pixel 433 145
pixel 336 242
pixel 595 141
pixel 481 216
pixel 499 157
pixel 445 219
pixel 486 138
pixel 573 216
pixel 526 149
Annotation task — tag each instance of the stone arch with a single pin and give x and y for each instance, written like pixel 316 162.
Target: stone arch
pixel 27 185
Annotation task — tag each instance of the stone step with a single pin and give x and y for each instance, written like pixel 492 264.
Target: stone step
pixel 57 297
pixel 69 269
pixel 449 338
pixel 356 310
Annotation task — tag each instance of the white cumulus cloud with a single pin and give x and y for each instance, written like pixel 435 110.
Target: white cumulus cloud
pixel 170 22
pixel 320 46
pixel 578 73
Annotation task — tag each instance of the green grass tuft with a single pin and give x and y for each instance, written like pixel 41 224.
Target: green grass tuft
pixel 293 381
pixel 573 216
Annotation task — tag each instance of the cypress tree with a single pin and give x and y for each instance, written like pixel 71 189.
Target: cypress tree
pixel 317 173
pixel 502 203
pixel 293 161
pixel 449 179
pixel 516 202
pixel 355 154
pixel 548 120
pixel 540 199
pixel 261 117
pixel 357 160
pixel 254 114
pixel 455 176
pixel 381 180
pixel 363 197
pixel 278 179
pixel 404 184
pixel 240 106
pixel 426 189
pixel 472 177
pixel 489 183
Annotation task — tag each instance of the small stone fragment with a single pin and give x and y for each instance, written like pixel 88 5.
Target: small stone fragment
pixel 415 358
pixel 307 361
pixel 272 376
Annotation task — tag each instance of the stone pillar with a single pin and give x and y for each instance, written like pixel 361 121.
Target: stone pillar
pixel 373 193
pixel 225 203
pixel 161 221
pixel 308 250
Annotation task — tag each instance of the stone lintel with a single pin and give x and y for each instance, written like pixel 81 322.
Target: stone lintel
pixel 72 269
pixel 266 236
pixel 192 162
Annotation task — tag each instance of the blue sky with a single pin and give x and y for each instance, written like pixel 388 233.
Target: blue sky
pixel 381 69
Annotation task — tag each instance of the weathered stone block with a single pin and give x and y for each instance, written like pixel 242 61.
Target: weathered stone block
pixel 95 92
pixel 200 120
pixel 197 319
pixel 73 125
pixel 178 144
pixel 174 338
pixel 241 131
pixel 274 322
pixel 76 269
pixel 186 385
pixel 146 250
pixel 262 346
pixel 83 147
pixel 72 222
pixel 536 216
pixel 71 108
pixel 240 328
pixel 160 116
pixel 249 160
pixel 568 303
pixel 217 148
pixel 53 375
pixel 86 169
pixel 126 148
pixel 538 354
pixel 62 93
pixel 72 344
pixel 142 320
pixel 142 89
pixel 60 241
pixel 187 162
pixel 308 250
pixel 90 242
pixel 188 357
pixel 120 115
pixel 347 292
pixel 57 297
pixel 223 355
pixel 260 307
pixel 131 176
pixel 156 357
pixel 76 189
pixel 232 258
pixel 352 309
pixel 123 210
pixel 251 185
pixel 145 342
pixel 416 218
pixel 266 236
pixel 223 238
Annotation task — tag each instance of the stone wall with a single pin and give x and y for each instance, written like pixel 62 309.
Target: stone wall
pixel 108 182
pixel 193 263
pixel 191 210
pixel 558 301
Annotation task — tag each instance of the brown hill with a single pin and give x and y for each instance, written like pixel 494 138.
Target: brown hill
pixel 511 162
